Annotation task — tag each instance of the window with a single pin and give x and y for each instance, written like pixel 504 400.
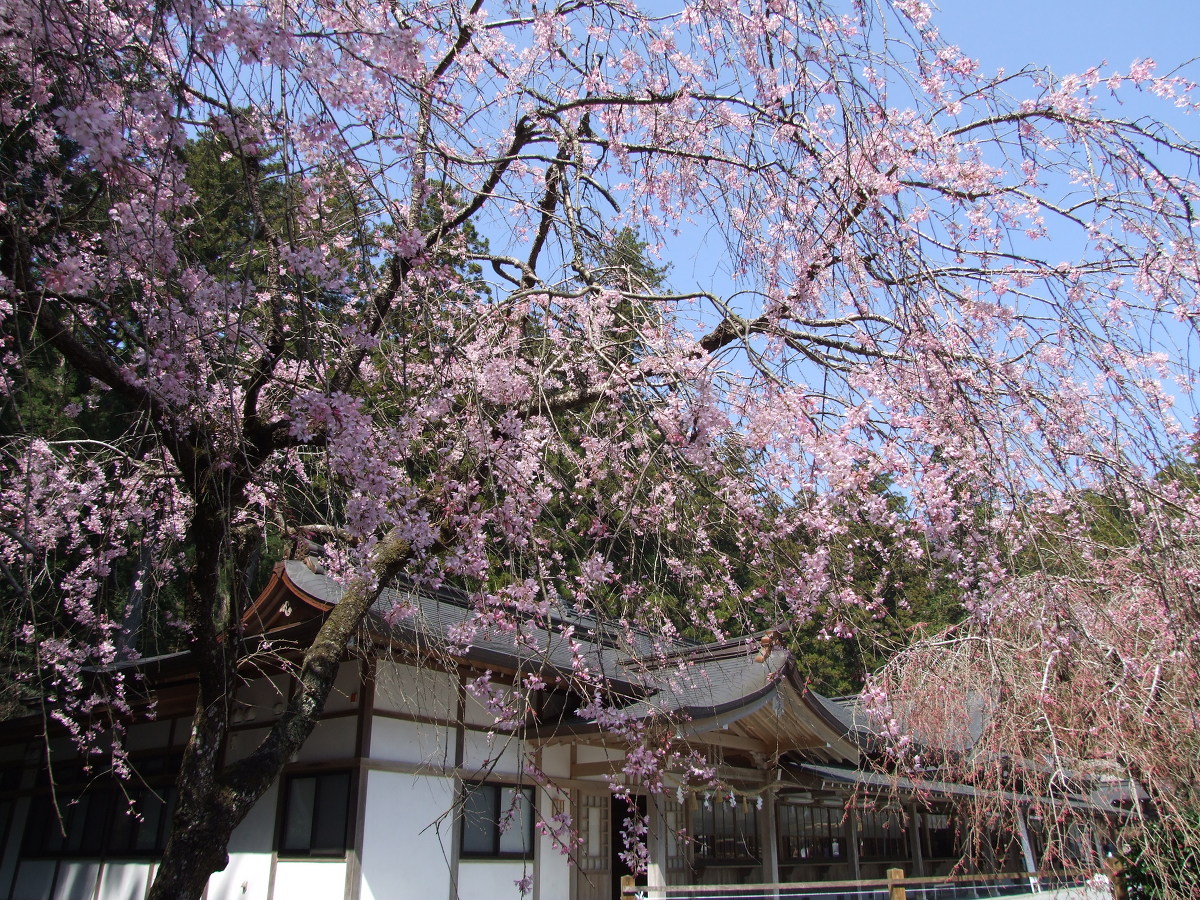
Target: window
pixel 940 837
pixel 497 821
pixel 724 833
pixel 101 816
pixel 811 833
pixel 316 814
pixel 10 781
pixel 881 835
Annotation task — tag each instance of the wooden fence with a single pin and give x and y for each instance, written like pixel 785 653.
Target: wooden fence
pixel 895 887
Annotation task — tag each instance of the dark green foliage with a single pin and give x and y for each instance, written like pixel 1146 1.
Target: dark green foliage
pixel 1166 863
pixel 906 597
pixel 624 265
pixel 227 232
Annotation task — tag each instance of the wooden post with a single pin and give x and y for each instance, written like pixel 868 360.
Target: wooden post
pixel 656 847
pixel 915 824
pixel 896 884
pixel 628 885
pixel 1115 870
pixel 769 840
pixel 1031 863
pixel 855 865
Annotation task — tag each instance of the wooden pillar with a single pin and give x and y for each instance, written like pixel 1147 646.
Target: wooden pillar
pixel 362 751
pixel 768 838
pixel 460 755
pixel 896 884
pixel 914 840
pixel 1097 843
pixel 543 804
pixel 656 847
pixel 1027 851
pixel 852 817
pixel 1098 838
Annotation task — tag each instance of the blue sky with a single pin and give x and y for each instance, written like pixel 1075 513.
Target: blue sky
pixel 1072 35
pixel 1066 36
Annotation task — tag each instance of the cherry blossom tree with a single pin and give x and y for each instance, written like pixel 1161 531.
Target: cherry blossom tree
pixel 1076 681
pixel 977 287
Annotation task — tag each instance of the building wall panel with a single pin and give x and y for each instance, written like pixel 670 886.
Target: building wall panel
pixel 493 880
pixel 393 740
pixel 415 691
pixel 248 875
pixel 331 739
pixel 553 869
pixel 491 752
pixel 408 837
pixel 308 880
pixel 76 880
pixel 35 878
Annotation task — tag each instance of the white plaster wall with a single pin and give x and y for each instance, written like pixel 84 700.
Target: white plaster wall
pixel 183 729
pixel 344 694
pixel 490 880
pixel 1096 892
pixel 556 760
pixel 416 691
pixel 331 739
pixel 411 742
pixel 309 880
pixel 263 696
pixel 553 870
pixel 10 852
pixel 250 848
pixel 585 753
pixel 476 713
pixel 493 752
pixel 125 880
pixel 149 735
pixel 242 742
pixel 407 837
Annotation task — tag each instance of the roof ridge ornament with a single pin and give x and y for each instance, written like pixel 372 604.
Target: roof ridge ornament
pixel 767 643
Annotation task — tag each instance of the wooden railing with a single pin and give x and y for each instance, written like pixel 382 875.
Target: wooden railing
pixel 895 887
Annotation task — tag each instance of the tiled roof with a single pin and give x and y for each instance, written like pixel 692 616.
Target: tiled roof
pixel 684 680
pixel 444 621
pixel 880 781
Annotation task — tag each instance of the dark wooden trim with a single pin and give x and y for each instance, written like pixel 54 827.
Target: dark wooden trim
pixel 540 795
pixel 460 741
pixel 267 723
pixel 573 794
pixel 362 748
pixel 518 733
pixel 413 717
pixel 366 707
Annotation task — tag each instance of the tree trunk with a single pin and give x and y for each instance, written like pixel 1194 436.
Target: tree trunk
pixel 212 803
pixel 201 826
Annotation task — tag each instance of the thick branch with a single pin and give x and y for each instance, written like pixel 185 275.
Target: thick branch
pixel 247 779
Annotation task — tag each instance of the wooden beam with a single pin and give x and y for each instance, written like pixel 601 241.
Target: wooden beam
pixel 591 769
pixel 761 777
pixel 725 739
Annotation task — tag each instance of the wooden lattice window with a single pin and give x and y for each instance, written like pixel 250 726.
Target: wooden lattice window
pixel 593 827
pixel 811 833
